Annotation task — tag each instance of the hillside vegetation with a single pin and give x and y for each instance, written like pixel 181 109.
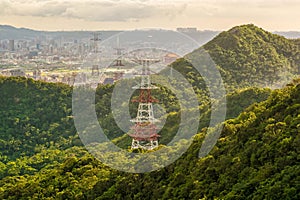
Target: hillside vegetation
pixel 256 157
pixel 247 56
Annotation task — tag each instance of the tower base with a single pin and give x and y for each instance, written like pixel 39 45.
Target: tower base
pixel 146 145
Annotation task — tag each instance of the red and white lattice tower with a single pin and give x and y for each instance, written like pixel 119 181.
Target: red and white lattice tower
pixel 144 131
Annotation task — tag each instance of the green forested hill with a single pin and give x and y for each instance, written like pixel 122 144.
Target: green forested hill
pixel 250 56
pixel 37 115
pixel 34 115
pixel 256 157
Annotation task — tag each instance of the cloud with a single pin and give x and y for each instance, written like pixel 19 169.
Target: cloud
pixel 127 14
pixel 115 12
pixel 33 8
pixel 95 10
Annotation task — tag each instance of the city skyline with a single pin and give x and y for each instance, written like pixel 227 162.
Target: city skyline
pixel 55 15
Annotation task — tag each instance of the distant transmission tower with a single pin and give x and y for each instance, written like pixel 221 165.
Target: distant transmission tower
pixel 144 132
pixel 95 39
pixel 119 54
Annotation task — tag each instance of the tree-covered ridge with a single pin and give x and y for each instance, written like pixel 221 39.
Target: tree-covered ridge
pixel 37 115
pixel 258 152
pixel 249 56
pixel 238 100
pixel 245 56
pixel 34 115
pixel 256 157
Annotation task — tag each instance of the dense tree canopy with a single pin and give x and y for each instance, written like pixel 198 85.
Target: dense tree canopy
pixel 256 157
pixel 247 56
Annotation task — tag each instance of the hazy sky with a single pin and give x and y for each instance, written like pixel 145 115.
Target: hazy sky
pixel 131 14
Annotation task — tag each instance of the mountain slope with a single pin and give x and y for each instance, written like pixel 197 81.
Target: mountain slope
pixel 248 56
pixel 34 115
pixel 256 157
pixel 10 32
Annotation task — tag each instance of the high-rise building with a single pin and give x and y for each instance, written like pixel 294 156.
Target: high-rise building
pixel 11 45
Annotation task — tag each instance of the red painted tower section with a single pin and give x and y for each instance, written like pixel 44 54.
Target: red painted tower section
pixel 144 131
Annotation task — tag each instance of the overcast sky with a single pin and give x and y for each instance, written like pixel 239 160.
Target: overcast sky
pixel 135 14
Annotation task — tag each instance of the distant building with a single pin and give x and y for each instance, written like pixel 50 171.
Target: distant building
pixel 170 57
pixel 32 54
pixel 56 58
pixel 17 72
pixel 80 78
pixel 80 49
pixel 6 73
pixel 108 81
pixel 118 75
pixel 51 50
pixel 95 70
pixel 187 30
pixel 37 74
pixel 11 45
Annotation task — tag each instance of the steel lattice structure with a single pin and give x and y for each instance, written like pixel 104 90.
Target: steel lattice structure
pixel 144 131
